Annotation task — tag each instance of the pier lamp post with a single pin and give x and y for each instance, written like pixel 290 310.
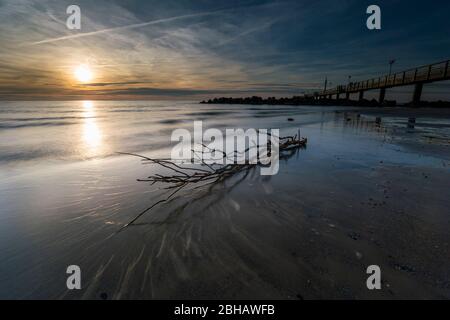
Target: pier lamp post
pixel 391 62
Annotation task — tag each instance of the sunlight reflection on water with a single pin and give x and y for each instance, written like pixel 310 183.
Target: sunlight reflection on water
pixel 92 135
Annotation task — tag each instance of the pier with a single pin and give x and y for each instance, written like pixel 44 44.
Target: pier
pixel 417 76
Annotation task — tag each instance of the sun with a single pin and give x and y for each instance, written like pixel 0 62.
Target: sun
pixel 83 73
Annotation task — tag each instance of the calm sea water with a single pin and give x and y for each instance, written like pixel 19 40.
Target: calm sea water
pixel 359 194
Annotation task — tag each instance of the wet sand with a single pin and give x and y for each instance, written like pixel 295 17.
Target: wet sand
pixel 361 193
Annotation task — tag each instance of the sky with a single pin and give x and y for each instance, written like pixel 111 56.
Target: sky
pixel 200 49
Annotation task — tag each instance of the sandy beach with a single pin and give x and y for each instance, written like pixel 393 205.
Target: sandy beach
pixel 361 193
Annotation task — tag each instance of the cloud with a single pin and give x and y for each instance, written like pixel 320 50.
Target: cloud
pixel 105 84
pixel 130 26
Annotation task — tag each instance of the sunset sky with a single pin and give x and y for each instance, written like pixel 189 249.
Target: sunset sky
pixel 199 49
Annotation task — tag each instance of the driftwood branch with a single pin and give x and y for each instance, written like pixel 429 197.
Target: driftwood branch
pixel 206 174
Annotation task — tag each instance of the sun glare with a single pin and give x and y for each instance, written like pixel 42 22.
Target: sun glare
pixel 83 73
pixel 88 105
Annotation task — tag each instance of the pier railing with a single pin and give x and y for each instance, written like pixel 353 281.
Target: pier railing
pixel 424 74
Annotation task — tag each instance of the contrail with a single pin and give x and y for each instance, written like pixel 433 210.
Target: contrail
pixel 131 26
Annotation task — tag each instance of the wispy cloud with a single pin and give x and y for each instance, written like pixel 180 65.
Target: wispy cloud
pixel 106 84
pixel 247 32
pixel 127 27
